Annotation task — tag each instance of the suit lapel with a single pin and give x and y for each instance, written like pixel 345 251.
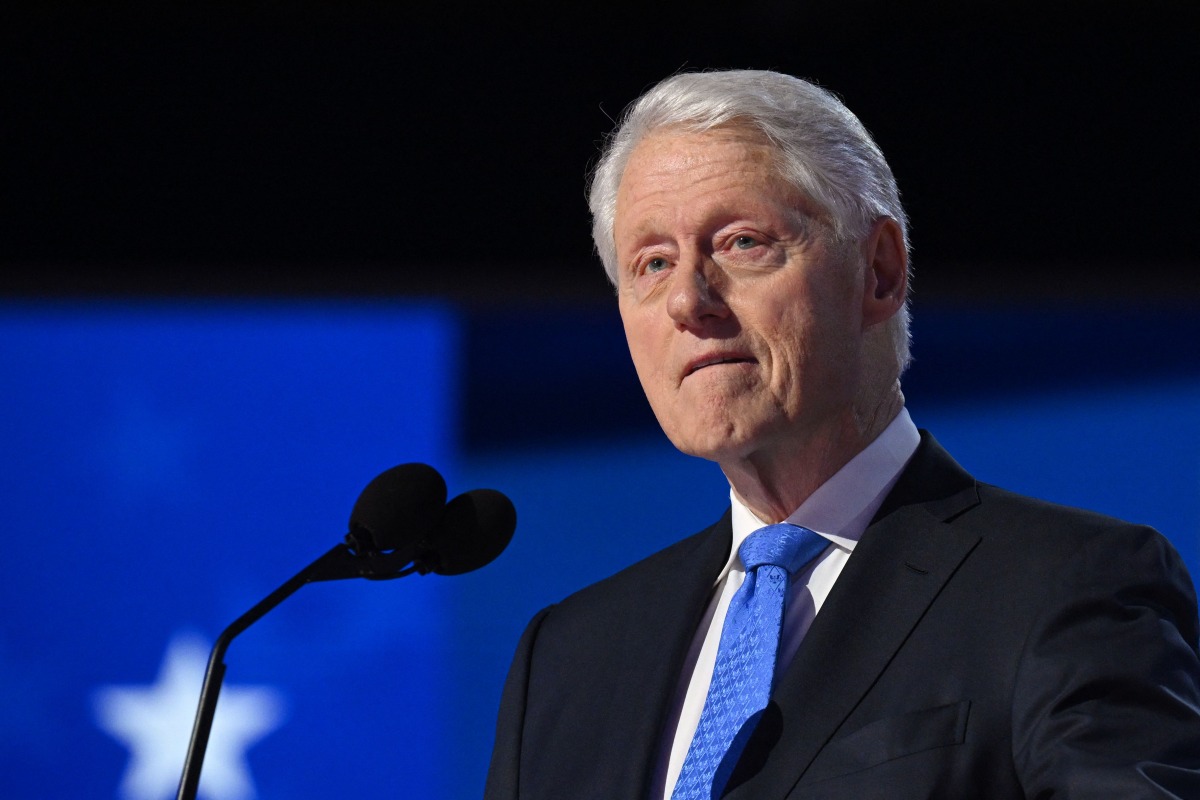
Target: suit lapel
pixel 898 568
pixel 659 617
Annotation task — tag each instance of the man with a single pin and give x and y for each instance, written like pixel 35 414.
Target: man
pixel 949 639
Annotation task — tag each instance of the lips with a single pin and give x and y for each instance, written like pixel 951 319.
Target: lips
pixel 715 359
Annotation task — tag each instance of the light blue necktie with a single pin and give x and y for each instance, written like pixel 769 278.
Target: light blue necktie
pixel 745 668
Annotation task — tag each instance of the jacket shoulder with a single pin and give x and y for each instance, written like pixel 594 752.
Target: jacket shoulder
pixel 690 560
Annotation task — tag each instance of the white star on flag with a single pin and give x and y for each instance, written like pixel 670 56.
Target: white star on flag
pixel 155 723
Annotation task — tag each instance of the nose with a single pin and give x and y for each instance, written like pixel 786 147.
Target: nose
pixel 696 294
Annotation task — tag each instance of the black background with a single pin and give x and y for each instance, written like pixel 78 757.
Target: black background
pixel 1043 149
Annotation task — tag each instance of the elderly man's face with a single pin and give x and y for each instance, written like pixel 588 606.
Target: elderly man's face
pixel 744 320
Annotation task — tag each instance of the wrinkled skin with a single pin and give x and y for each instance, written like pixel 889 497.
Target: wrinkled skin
pixel 757 336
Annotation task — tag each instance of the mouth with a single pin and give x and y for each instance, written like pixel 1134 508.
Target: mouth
pixel 715 360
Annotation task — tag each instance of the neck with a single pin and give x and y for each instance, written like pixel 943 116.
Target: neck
pixel 774 483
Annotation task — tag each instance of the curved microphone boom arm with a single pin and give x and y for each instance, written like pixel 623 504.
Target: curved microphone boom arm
pixel 400 524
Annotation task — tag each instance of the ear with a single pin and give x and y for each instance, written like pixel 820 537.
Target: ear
pixel 886 263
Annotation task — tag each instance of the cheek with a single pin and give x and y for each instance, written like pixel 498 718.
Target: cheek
pixel 647 357
pixel 808 350
pixel 649 375
pixel 789 337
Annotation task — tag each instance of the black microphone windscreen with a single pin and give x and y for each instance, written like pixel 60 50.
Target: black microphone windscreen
pixel 400 506
pixel 475 528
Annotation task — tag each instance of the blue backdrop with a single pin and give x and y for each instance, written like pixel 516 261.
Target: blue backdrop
pixel 166 465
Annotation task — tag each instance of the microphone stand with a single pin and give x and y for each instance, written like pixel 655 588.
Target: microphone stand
pixel 350 560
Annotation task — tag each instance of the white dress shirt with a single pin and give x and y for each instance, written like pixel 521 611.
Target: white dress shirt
pixel 839 510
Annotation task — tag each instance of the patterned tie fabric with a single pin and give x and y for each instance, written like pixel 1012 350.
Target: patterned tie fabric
pixel 745 668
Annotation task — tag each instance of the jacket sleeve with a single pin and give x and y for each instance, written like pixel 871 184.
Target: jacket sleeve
pixel 504 772
pixel 1107 697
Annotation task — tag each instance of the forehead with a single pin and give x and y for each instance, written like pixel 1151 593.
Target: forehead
pixel 673 152
pixel 679 174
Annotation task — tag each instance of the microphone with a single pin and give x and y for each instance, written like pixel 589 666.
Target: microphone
pixel 400 524
pixel 398 507
pixel 475 528
pixel 402 518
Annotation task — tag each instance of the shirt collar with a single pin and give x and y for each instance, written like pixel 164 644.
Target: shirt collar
pixel 841 508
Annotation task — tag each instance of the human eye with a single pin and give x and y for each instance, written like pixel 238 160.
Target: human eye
pixel 656 264
pixel 748 248
pixel 743 241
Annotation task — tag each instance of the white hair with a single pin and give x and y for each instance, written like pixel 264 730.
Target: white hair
pixel 824 152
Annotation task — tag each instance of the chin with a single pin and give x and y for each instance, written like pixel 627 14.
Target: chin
pixel 709 444
pixel 718 428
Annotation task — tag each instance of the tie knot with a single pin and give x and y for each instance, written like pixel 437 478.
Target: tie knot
pixel 783 545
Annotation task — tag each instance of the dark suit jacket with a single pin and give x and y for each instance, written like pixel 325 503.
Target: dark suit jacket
pixel 978 644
